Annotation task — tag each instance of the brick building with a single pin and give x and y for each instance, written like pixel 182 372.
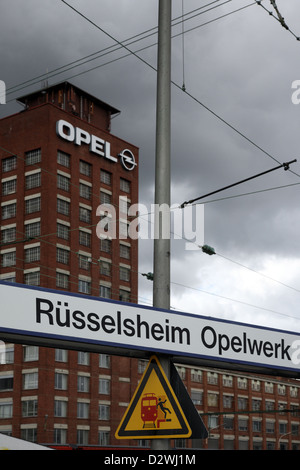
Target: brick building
pixel 59 162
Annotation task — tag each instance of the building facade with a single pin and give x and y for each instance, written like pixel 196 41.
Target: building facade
pixel 66 185
pixel 59 166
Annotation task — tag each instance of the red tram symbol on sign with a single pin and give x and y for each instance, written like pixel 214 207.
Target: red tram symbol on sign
pixel 152 410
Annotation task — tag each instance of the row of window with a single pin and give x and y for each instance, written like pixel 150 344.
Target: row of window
pixel 33 178
pixel 241 403
pixel 30 382
pixel 60 435
pixel 32 254
pixel 31 353
pixel 32 229
pixel 228 423
pixel 63 281
pixel 243 383
pixel 30 409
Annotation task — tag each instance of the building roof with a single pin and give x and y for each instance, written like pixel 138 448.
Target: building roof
pixel 67 85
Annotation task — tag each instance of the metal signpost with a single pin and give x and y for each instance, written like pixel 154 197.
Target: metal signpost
pixel 161 267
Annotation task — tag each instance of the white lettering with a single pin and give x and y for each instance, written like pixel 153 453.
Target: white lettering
pixel 79 136
pixel 296 94
pixel 82 137
pixel 69 134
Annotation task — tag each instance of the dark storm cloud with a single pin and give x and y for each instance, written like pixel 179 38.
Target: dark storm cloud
pixel 241 67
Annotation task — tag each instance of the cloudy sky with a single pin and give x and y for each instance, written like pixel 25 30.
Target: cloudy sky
pixel 236 119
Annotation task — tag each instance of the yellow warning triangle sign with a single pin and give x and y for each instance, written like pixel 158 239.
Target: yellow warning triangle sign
pixel 154 411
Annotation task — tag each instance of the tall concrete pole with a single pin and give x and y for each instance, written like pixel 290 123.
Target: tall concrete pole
pixel 161 279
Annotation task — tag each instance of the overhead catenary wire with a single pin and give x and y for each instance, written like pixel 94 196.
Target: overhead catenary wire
pixel 283 165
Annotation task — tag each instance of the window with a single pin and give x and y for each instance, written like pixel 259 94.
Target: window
pixel 6 382
pixel 61 355
pixel 124 251
pixel 105 268
pixel 33 180
pixel 282 428
pixel 30 353
pixel 63 206
pixel 8 235
pixel 84 286
pixel 63 182
pixel 83 410
pixel 8 259
pixel 104 412
pixel 85 168
pixel 29 434
pixel 82 436
pixel 256 404
pixel 124 295
pixel 84 238
pixel 242 383
pixel 85 262
pixel 105 177
pixel 104 386
pixel 270 427
pixel 281 389
pixel 269 405
pixel 197 397
pixel 212 378
pixel 9 186
pixel 60 408
pixel 227 401
pixel 105 245
pixel 9 211
pixel 85 215
pixel 29 408
pixel 9 164
pixel 256 426
pixel 255 385
pixel 242 403
pixel 243 424
pixel 32 278
pixel 62 231
pixel 228 423
pixel 83 358
pixel 32 254
pixel 60 436
pixel 33 157
pixel 105 292
pixel 62 256
pixel 63 159
pixel 83 383
pixel 60 381
pixel 30 380
pixel 269 387
pixel 103 437
pixel 124 185
pixel 85 191
pixel 62 280
pixel 196 375
pixel 124 274
pixel 33 205
pixel 105 198
pixel 212 399
pixel 6 410
pixel 104 361
pixel 33 229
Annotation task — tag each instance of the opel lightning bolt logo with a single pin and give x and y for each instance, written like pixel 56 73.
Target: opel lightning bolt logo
pixel 127 160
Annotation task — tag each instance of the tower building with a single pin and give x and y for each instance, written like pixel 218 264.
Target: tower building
pixel 60 165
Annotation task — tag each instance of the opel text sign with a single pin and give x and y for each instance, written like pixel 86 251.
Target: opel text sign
pixel 99 146
pixel 64 320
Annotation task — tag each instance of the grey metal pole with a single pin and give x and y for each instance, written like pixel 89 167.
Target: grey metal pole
pixel 161 278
